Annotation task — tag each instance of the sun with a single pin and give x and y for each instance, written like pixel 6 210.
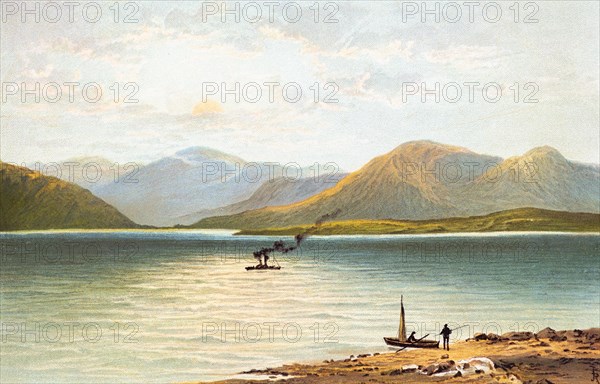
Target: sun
pixel 207 107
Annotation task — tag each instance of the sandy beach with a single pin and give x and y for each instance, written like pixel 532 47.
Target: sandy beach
pixel 516 357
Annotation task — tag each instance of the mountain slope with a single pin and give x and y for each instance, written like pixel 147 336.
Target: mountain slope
pixel 89 172
pixel 394 185
pixel 540 178
pixel 30 200
pixel 279 191
pixel 424 180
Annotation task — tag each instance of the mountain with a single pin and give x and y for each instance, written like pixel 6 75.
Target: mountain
pixel 541 178
pixel 30 200
pixel 188 181
pixel 278 191
pixel 423 180
pixel 194 180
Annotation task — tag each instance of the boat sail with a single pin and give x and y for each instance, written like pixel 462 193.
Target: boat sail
pixel 402 326
pixel 401 341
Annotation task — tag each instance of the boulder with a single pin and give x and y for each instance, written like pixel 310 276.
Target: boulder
pixel 558 338
pixel 546 333
pixel 571 335
pixel 474 364
pixel 430 369
pixel 438 368
pixel 444 366
pixel 518 336
pixel 493 337
pixel 592 334
pixel 410 368
pixel 480 336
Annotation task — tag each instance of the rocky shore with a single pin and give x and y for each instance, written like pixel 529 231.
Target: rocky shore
pixel 546 357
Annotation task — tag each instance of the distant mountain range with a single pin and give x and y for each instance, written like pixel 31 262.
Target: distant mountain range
pixel 189 185
pixel 423 180
pixel 205 188
pixel 30 200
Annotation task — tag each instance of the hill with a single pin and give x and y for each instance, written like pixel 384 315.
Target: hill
pixel 30 200
pixel 522 219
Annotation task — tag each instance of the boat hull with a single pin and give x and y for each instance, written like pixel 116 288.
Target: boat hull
pixel 394 342
pixel 254 268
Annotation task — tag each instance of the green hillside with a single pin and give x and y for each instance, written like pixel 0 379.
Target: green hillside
pixel 30 200
pixel 522 219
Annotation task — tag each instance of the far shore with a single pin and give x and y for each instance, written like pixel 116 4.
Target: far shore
pixel 292 231
pixel 516 357
pixel 274 232
pixel 521 220
pixel 517 220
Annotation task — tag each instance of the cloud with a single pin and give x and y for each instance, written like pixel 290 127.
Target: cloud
pixel 382 53
pixel 368 53
pixel 36 74
pixel 468 56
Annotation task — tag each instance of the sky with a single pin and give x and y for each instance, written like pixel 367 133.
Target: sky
pixel 509 79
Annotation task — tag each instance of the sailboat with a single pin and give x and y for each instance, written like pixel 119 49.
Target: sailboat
pixel 401 340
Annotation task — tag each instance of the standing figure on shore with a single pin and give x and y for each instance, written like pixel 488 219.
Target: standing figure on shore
pixel 446 335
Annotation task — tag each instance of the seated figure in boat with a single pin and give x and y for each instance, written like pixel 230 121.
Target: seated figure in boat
pixel 412 338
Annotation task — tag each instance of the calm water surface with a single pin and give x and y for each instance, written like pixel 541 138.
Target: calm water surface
pixel 179 306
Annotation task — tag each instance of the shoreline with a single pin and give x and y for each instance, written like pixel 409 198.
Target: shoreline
pixel 511 220
pixel 571 356
pixel 516 219
pixel 238 232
